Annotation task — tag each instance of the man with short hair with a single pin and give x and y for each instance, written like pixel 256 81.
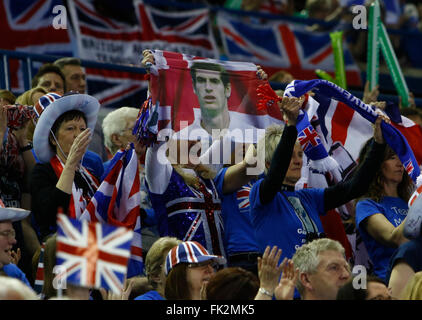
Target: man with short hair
pixel 323 269
pixel 73 72
pixel 50 78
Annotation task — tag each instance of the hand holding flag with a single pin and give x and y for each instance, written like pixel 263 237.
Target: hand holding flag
pixel 93 254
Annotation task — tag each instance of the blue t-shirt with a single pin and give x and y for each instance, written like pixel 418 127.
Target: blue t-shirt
pixel 13 271
pixel 276 223
pixel 150 295
pixel 238 229
pixel 409 252
pixel 395 210
pixel 93 163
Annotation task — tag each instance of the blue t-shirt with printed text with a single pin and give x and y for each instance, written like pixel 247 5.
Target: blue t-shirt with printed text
pixel 395 210
pixel 238 229
pixel 276 223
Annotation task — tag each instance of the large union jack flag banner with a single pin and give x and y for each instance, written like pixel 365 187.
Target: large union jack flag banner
pixel 94 254
pixel 102 39
pixel 117 202
pixel 27 25
pixel 184 31
pixel 277 45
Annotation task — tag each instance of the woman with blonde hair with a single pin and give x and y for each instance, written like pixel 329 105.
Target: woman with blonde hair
pixel 154 267
pixel 30 98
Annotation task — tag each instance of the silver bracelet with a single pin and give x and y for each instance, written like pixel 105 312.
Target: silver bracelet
pixel 266 292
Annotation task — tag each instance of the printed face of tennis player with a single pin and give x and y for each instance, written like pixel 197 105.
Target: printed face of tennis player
pixel 67 133
pixel 7 240
pixel 212 94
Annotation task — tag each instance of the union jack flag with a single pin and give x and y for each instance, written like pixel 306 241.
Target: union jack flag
pixel 103 39
pixel 117 202
pixel 277 45
pixel 39 276
pixel 408 166
pixel 184 31
pixel 308 138
pixel 27 25
pixel 94 254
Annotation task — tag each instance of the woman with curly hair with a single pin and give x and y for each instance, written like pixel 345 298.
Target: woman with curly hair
pixel 381 211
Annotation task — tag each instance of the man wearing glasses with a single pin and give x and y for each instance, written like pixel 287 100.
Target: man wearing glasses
pixel 7 240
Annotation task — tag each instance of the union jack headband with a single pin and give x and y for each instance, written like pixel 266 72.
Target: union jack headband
pixel 189 252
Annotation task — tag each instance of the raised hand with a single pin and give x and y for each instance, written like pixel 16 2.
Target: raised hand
pixel 378 137
pixel 124 295
pixel 411 99
pixel 268 271
pixel 290 107
pixel 370 95
pixel 261 74
pixel 286 287
pixel 250 156
pixel 16 256
pixel 148 58
pixel 79 147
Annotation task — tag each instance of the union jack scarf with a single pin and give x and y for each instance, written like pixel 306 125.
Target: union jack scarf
pixel 393 137
pixel 78 201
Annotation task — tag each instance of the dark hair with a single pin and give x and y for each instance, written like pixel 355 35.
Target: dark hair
pixel 348 292
pixel 411 111
pixel 210 66
pixel 376 188
pixel 48 68
pixel 177 287
pixel 67 116
pixel 232 284
pixel 66 61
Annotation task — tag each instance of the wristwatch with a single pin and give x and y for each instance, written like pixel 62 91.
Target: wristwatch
pixel 26 148
pixel 266 292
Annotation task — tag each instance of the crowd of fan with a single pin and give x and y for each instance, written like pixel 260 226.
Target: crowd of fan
pixel 261 265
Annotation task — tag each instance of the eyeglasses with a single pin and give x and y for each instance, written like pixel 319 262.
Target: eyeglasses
pixel 204 264
pixel 8 234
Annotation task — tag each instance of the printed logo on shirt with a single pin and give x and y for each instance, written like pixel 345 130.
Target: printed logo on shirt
pixel 242 196
pixel 398 210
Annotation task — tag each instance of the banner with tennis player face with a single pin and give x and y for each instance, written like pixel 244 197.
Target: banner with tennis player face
pixel 200 95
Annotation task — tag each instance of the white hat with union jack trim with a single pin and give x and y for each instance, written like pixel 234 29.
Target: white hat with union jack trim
pixel 57 105
pixel 190 252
